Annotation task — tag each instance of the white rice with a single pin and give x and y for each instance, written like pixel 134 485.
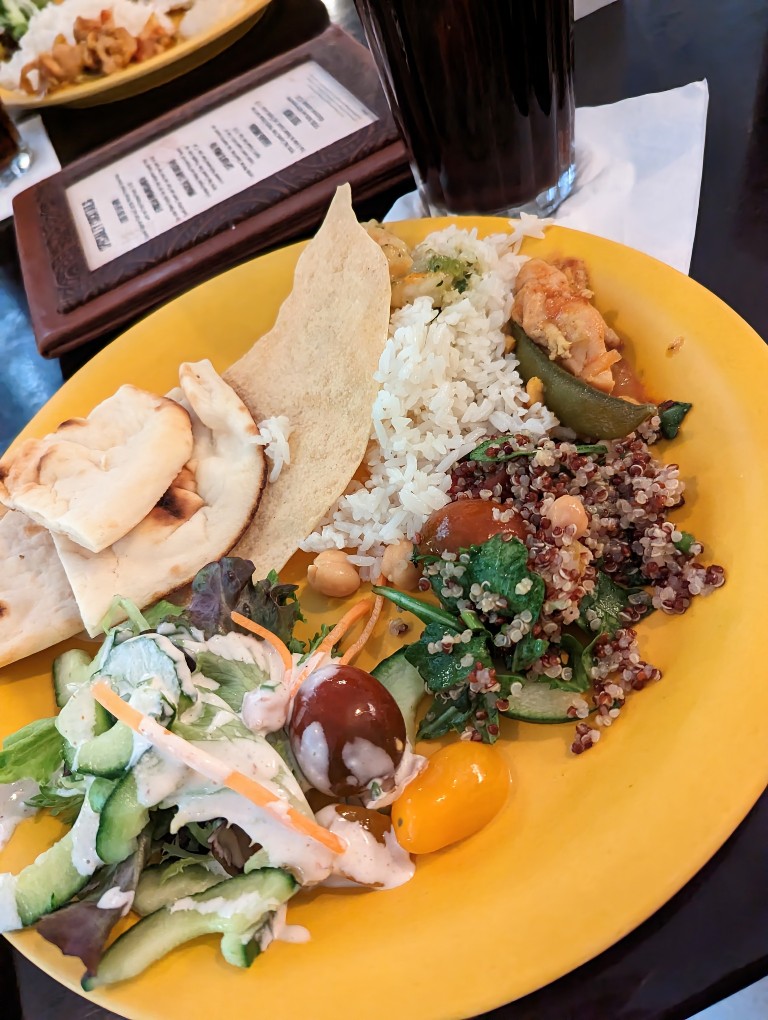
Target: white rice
pixel 445 385
pixel 274 434
pixel 59 19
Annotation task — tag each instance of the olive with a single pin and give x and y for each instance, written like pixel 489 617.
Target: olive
pixel 346 731
pixel 467 522
pixel 372 821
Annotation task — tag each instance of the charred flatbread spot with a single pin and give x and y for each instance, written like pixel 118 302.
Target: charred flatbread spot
pixel 171 504
pixel 176 507
pixel 72 422
pixel 3 473
pixel 3 609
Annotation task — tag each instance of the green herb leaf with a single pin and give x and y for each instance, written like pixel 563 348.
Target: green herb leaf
pixel 182 863
pixel 456 268
pixel 445 714
pixel 443 670
pixel 62 806
pixel 608 600
pixel 671 413
pixel 33 752
pixel 314 642
pixel 685 542
pixel 480 453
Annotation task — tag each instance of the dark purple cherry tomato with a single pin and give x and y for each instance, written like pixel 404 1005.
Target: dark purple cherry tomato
pixel 346 730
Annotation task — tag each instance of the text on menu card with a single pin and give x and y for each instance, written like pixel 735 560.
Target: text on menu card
pixel 205 162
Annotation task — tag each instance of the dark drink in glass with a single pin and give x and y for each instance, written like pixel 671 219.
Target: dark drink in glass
pixel 483 93
pixel 15 157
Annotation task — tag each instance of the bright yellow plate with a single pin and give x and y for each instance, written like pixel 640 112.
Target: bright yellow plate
pixel 158 70
pixel 587 848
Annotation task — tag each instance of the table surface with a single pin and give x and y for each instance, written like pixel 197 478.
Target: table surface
pixel 712 938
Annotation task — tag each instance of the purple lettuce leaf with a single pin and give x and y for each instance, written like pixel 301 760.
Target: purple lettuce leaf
pixel 82 928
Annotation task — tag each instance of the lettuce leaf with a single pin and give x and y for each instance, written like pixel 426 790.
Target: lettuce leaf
pixel 33 752
pixel 235 679
pixel 82 928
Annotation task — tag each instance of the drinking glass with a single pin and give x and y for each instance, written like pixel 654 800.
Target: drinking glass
pixel 482 91
pixel 15 157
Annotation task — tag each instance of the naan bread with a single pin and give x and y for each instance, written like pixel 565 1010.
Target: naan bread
pixel 95 478
pixel 37 607
pixel 316 367
pixel 198 519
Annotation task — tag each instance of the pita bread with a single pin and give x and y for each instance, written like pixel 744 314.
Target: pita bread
pixel 95 478
pixel 316 366
pixel 198 519
pixel 37 607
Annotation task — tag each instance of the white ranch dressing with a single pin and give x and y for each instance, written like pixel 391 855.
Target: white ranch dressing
pixel 366 761
pixel 157 776
pixel 12 807
pixel 183 672
pixel 366 861
pixel 266 708
pixel 250 903
pixel 277 929
pixel 85 860
pixel 314 757
pixel 410 766
pixel 9 914
pixel 116 898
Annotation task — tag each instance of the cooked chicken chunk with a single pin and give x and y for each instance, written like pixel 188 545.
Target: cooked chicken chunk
pixel 552 306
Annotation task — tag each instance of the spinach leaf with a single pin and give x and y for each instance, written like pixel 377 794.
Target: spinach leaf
pixel 608 600
pixel 500 566
pixel 443 670
pixel 527 651
pixel 671 413
pixel 685 542
pixel 33 752
pixel 580 680
pixel 445 714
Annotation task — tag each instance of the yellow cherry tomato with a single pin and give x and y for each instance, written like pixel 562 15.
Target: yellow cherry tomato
pixel 463 786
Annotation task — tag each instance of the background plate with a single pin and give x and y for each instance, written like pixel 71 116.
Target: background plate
pixel 587 848
pixel 137 78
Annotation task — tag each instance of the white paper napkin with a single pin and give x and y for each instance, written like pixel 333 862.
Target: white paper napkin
pixel 44 163
pixel 638 173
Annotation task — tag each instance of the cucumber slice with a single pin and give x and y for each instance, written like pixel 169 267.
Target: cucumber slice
pixel 404 683
pixel 232 907
pixel 99 792
pixel 155 891
pixel 122 819
pixel 241 950
pixel 82 719
pixel 107 755
pixel 48 882
pixel 71 670
pixel 140 659
pixel 540 703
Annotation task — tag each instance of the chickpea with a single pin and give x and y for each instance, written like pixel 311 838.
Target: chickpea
pixel 568 510
pixel 332 574
pixel 396 565
pixel 535 390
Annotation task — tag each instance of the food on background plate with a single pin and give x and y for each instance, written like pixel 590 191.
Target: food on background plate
pixel 95 478
pixel 200 757
pixel 49 44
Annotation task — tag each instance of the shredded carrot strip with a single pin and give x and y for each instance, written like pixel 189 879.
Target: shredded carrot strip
pixel 331 639
pixel 211 767
pixel 268 636
pixel 353 650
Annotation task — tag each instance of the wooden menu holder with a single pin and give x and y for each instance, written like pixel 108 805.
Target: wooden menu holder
pixel 71 304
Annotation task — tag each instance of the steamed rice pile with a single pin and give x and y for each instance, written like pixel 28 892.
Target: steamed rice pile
pixel 445 384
